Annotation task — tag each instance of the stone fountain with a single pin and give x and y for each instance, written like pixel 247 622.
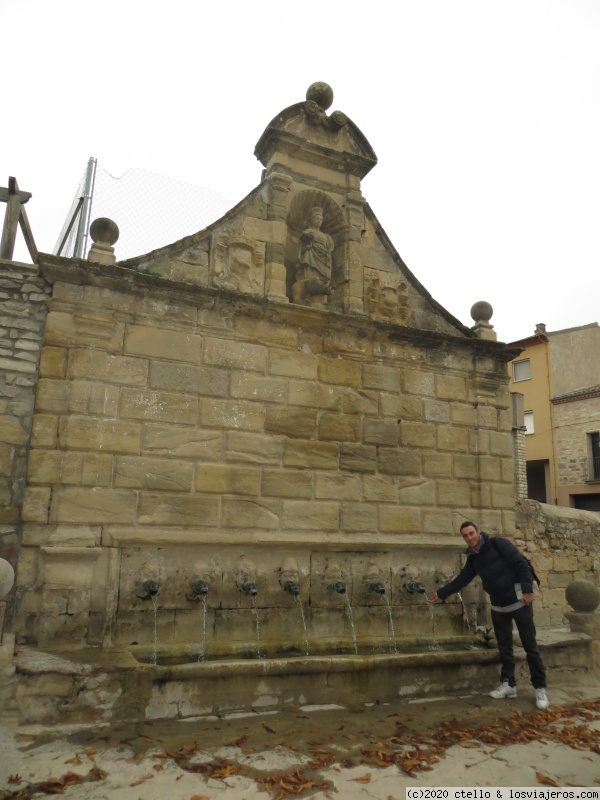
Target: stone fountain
pixel 257 441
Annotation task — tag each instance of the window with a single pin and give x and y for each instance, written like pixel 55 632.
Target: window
pixel 528 417
pixel 594 454
pixel 522 370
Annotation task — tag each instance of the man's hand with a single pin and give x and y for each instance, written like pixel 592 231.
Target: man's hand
pixel 528 598
pixel 434 598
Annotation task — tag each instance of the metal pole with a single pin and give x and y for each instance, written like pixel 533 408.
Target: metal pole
pixel 84 217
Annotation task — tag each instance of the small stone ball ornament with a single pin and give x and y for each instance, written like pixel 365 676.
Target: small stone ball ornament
pixel 482 311
pixel 583 596
pixel 7 578
pixel 320 93
pixel 104 231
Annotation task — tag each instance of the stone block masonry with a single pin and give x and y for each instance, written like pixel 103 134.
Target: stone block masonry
pixel 23 308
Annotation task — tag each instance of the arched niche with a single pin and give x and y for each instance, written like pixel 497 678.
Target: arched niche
pixel 334 224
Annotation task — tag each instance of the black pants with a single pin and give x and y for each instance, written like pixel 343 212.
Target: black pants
pixel 523 618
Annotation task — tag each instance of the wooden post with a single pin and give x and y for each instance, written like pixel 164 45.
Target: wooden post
pixel 15 215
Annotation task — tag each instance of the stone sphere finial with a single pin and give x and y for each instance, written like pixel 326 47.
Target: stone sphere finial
pixel 320 93
pixel 7 579
pixel 583 596
pixel 481 311
pixel 104 231
pixel 482 314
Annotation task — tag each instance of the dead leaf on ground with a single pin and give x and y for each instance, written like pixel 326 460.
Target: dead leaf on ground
pixel 366 778
pixel 545 780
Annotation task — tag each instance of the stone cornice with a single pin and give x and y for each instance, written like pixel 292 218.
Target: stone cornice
pixel 119 278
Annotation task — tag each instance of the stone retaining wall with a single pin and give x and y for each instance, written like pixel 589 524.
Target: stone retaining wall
pixel 563 544
pixel 23 309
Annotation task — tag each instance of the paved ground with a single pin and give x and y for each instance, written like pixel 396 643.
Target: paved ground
pixel 325 752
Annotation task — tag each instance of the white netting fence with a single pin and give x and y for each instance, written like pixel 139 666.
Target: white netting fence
pixel 151 210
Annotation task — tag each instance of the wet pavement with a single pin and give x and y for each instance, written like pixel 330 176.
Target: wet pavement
pixel 374 751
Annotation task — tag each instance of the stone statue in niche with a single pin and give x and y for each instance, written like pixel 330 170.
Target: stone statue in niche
pixel 313 271
pixel 386 297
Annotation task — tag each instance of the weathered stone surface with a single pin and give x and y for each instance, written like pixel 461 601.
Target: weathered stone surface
pixel 420 383
pixel 290 421
pixel 462 414
pixel 292 364
pixel 94 398
pixel 339 427
pixel 358 458
pixel 226 479
pixel 418 434
pixel 403 408
pixel 153 473
pixel 238 415
pixel 88 433
pixel 500 444
pixel 303 393
pixel 337 486
pixel 380 488
pixel 6 459
pixel 381 431
pixel 416 491
pixel 163 343
pixel 466 467
pixel 355 517
pixel 255 387
pixel 183 442
pixel 436 411
pixel 286 483
pixel 11 431
pixel 237 355
pixel 453 493
pixel 52 396
pixel 36 504
pixel 44 430
pixel 253 448
pixel 378 376
pixel 450 387
pixel 396 461
pixel 454 439
pixel 310 454
pixel 339 371
pixel 261 514
pixel 206 381
pixel 397 519
pixel 101 333
pixel 53 362
pixel 490 468
pixel 158 406
pixel 98 365
pixel 178 509
pixel 94 505
pixel 437 465
pixel 364 402
pixel 310 516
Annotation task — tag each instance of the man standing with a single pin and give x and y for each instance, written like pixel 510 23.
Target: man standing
pixel 506 577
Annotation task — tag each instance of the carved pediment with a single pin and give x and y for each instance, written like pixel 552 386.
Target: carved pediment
pixel 309 133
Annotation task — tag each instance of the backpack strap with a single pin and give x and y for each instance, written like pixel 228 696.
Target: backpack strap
pixel 493 540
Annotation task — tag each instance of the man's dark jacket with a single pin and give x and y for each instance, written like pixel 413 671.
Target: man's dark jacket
pixel 499 566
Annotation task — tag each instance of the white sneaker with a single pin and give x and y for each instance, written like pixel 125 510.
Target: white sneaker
pixel 504 690
pixel 541 698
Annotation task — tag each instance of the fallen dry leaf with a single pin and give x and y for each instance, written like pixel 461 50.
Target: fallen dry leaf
pixel 545 780
pixel 366 778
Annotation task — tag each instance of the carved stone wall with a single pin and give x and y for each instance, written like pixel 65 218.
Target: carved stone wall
pixel 194 416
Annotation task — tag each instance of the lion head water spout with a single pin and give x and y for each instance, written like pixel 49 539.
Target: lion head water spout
pixel 289 577
pixel 245 577
pixel 198 589
pixel 410 582
pixel 373 580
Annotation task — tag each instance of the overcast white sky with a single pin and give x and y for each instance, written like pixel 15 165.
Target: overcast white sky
pixel 484 114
